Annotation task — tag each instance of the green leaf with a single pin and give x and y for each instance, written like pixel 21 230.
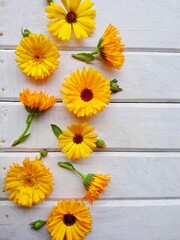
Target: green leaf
pixel 16 142
pixel 56 130
pixel 85 57
pixel 67 165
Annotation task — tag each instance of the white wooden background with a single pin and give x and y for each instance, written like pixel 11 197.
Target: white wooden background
pixel 141 126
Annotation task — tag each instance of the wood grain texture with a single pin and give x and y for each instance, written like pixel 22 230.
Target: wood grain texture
pixel 142 77
pixel 134 175
pixel 133 126
pixel 125 220
pixel 143 24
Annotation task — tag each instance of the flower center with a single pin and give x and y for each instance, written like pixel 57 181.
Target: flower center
pixel 86 95
pixel 38 57
pixel 29 180
pixel 69 219
pixel 78 138
pixel 71 17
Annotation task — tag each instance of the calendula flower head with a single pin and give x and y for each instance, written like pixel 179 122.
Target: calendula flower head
pixel 29 183
pixel 109 49
pixel 70 220
pixel 37 56
pixel 76 16
pixel 94 184
pixel 35 103
pixel 86 93
pixel 78 141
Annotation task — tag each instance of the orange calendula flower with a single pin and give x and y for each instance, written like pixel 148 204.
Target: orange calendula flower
pixel 35 103
pixel 37 56
pixel 28 183
pixel 78 141
pixel 109 49
pixel 86 93
pixel 76 16
pixel 69 220
pixel 95 184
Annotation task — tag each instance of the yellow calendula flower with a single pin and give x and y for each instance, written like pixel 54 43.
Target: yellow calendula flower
pixel 109 49
pixel 76 16
pixel 70 220
pixel 29 183
pixel 37 56
pixel 35 103
pixel 78 141
pixel 95 184
pixel 86 93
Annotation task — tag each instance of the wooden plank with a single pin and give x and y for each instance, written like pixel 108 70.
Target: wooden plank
pixel 143 24
pixel 134 175
pixel 125 220
pixel 143 127
pixel 142 77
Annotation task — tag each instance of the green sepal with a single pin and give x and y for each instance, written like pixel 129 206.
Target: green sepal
pixel 99 43
pixel 21 140
pixel 114 86
pixel 85 57
pixel 88 179
pixel 38 224
pixel 56 130
pixel 66 165
pixel 49 1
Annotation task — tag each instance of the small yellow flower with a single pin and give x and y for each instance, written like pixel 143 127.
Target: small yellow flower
pixel 28 183
pixel 74 16
pixel 35 103
pixel 109 49
pixel 37 56
pixel 70 220
pixel 86 93
pixel 78 141
pixel 95 185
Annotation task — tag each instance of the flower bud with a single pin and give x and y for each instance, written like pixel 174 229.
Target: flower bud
pixel 38 224
pixel 100 143
pixel 114 86
pixel 25 32
pixel 43 152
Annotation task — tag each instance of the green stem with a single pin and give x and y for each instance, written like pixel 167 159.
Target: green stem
pixel 80 174
pixel 29 121
pixel 70 167
pixel 94 52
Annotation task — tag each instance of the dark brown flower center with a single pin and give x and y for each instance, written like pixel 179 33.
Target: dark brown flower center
pixel 71 17
pixel 29 180
pixel 38 57
pixel 86 95
pixel 69 219
pixel 78 138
